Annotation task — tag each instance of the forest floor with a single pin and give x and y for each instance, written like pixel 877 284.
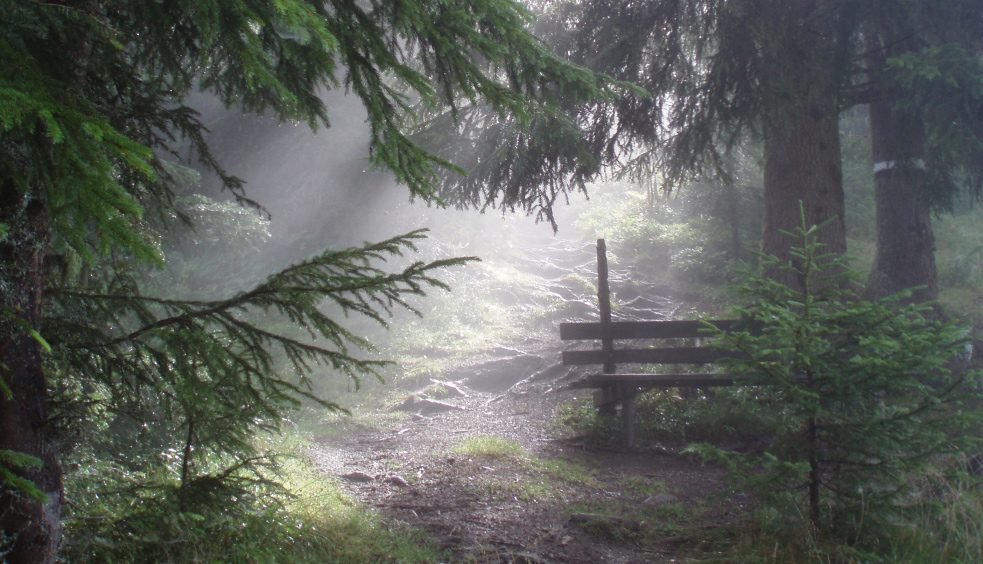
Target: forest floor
pixel 490 475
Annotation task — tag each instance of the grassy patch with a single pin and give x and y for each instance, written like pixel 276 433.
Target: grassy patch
pixel 653 524
pixel 487 445
pixel 642 485
pixel 563 470
pixel 519 475
pixel 944 526
pixel 305 519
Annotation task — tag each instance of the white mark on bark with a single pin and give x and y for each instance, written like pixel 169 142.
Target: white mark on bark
pixel 888 165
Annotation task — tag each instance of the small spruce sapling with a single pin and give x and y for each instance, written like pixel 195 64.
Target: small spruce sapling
pixel 866 391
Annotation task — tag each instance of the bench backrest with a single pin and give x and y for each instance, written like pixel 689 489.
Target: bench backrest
pixel 624 330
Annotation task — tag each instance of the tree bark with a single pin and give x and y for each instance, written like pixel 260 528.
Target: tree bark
pixel 732 213
pixel 802 164
pixel 905 255
pixel 802 52
pixel 30 530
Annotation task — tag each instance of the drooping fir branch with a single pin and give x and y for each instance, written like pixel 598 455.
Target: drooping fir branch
pixel 476 79
pixel 351 279
pixel 97 103
pixel 215 373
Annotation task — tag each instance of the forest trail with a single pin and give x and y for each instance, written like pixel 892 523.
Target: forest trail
pixel 484 467
pixel 487 501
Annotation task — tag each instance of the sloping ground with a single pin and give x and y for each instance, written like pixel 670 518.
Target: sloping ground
pixel 482 465
pixel 491 478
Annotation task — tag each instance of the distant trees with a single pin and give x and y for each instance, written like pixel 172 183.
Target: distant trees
pixel 782 72
pixel 720 70
pixel 92 98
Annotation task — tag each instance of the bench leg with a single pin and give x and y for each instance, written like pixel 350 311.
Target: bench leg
pixel 628 416
pixel 606 399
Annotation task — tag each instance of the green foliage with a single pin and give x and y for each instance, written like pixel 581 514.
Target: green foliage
pixel 218 254
pixel 686 416
pixel 92 105
pixel 156 523
pixel 945 82
pixel 676 416
pixel 10 459
pixel 683 238
pixel 210 375
pixel 85 127
pixel 867 392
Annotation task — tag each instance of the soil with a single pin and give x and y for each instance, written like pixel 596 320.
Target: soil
pixel 559 498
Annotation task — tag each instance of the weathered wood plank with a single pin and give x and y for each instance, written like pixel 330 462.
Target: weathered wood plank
pixel 644 329
pixel 604 303
pixel 612 382
pixel 628 393
pixel 677 355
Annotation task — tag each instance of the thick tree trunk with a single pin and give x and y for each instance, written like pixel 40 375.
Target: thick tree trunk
pixel 905 256
pixel 30 530
pixel 802 164
pixel 803 50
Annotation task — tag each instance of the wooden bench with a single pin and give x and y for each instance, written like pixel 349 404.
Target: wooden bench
pixel 613 388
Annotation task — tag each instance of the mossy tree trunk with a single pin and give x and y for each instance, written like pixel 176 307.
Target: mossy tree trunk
pixel 30 529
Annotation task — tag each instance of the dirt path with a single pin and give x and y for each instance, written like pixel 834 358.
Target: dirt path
pixel 486 500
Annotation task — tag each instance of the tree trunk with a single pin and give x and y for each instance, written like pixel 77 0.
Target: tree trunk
pixel 803 51
pixel 732 213
pixel 30 530
pixel 905 256
pixel 802 164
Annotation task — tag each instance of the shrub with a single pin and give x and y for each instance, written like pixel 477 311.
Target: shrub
pixel 866 390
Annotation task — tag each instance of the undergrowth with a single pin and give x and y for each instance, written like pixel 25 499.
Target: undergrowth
pixel 519 474
pixel 303 518
pixel 679 417
pixel 860 410
pixel 945 525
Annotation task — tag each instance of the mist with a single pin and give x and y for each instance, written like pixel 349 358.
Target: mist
pixel 270 352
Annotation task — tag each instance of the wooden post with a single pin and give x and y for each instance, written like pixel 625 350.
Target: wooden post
pixel 604 305
pixel 628 415
pixel 603 399
pixel 625 393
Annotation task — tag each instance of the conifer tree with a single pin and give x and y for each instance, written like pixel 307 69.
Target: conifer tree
pixel 717 71
pixel 782 71
pixel 864 390
pixel 91 99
